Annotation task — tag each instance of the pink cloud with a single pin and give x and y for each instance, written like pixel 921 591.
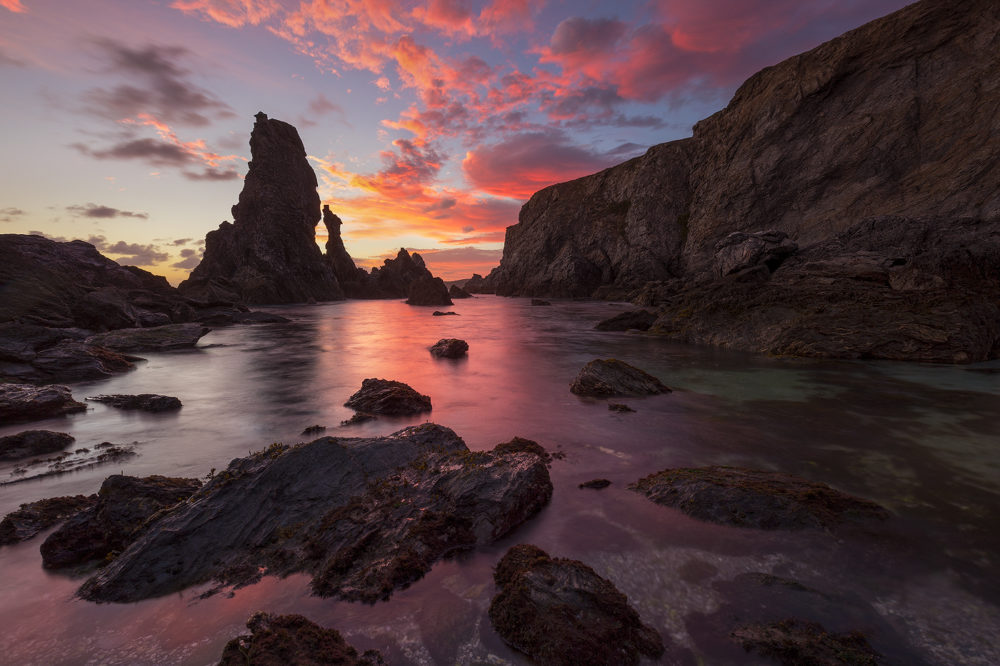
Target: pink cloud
pixel 234 13
pixel 14 6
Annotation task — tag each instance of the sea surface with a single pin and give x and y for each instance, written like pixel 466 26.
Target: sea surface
pixel 922 440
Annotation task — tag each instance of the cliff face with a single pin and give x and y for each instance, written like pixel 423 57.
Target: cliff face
pixel 900 117
pixel 269 253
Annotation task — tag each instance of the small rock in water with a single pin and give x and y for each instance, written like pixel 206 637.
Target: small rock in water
pixel 793 642
pixel 293 639
pixel 32 518
pixel 24 402
pixel 619 407
pixel 611 377
pixel 539 301
pixel 359 417
pixel 596 484
pixel 388 397
pixel 33 443
pixel 438 313
pixel 755 498
pixel 313 430
pixel 147 402
pixel 559 611
pixel 450 348
pixel 633 319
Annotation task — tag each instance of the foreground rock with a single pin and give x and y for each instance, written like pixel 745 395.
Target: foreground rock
pixel 450 348
pixel 158 338
pixel 785 171
pixel 389 398
pixel 637 319
pixel 34 517
pixel 559 611
pixel 33 443
pixel 363 516
pixel 268 254
pixel 794 642
pixel 755 498
pixel 611 377
pixel 23 402
pixel 124 504
pixel 146 402
pixel 282 640
pixel 428 290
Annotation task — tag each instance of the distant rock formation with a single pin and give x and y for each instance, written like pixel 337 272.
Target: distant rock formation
pixel 269 253
pixel 894 120
pixel 355 282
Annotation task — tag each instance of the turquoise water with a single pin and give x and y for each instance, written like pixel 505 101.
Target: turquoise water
pixel 922 440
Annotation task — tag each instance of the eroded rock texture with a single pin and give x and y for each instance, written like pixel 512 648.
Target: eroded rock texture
pixel 31 518
pixel 283 640
pixel 363 516
pixel 268 254
pixel 24 402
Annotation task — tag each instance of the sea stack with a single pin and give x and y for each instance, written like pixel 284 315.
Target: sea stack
pixel 268 254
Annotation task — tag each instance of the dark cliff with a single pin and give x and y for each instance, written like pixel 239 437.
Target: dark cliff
pixel 269 253
pixel 899 117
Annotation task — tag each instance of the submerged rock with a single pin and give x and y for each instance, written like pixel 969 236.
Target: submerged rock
pixel 158 338
pixel 23 402
pixel 427 290
pixel 33 443
pixel 124 504
pixel 559 611
pixel 755 498
pixel 292 640
pixel 358 417
pixel 450 348
pixel 388 397
pixel 438 313
pixel 32 518
pixel 637 319
pixel 363 516
pixel 611 377
pixel 793 642
pixel 596 484
pixel 539 301
pixel 619 407
pixel 146 402
pixel 269 253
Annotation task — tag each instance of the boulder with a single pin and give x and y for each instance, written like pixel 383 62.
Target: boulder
pixel 124 504
pixel 23 402
pixel 33 443
pixel 755 498
pixel 455 291
pixel 449 348
pixel 428 290
pixel 362 516
pixel 637 319
pixel 559 611
pixel 278 640
pixel 389 398
pixel 146 402
pixel 268 254
pixel 159 338
pixel 34 517
pixel 611 377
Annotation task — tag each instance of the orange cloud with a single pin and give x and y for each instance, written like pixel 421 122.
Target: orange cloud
pixel 14 6
pixel 234 13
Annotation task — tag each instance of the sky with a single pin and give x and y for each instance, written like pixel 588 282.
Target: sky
pixel 429 123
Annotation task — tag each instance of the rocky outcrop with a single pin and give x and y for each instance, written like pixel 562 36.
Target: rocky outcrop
pixel 33 443
pixel 32 518
pixel 144 402
pixel 639 320
pixel 364 517
pixel 756 498
pixel 24 402
pixel 560 611
pixel 450 348
pixel 427 290
pixel 268 254
pixel 280 640
pixel 124 504
pixel 157 338
pixel 604 378
pixel 355 282
pixel 474 285
pixel 896 118
pixel 388 397
pixel 454 291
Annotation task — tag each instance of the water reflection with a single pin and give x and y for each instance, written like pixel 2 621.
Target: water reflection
pixel 920 439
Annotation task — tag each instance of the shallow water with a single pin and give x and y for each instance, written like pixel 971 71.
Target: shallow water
pixel 922 440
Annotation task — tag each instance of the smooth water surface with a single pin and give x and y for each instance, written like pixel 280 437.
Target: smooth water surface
pixel 922 440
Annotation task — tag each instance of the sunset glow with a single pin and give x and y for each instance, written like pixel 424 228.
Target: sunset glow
pixel 428 123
